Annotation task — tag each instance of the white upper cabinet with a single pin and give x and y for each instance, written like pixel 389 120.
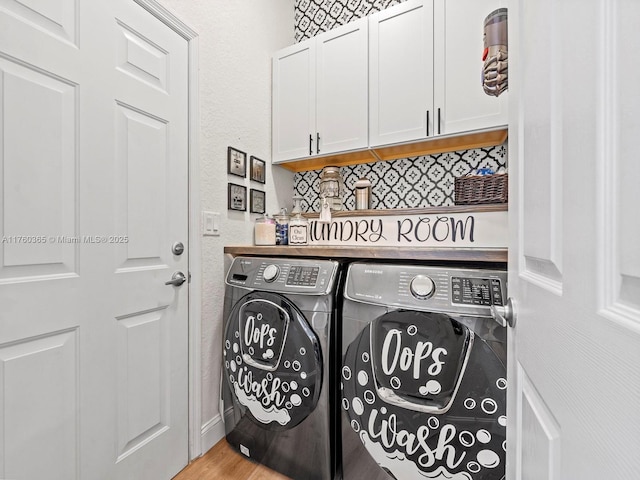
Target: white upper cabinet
pixel 294 101
pixel 425 71
pixel 406 74
pixel 401 73
pixel 342 88
pixel 459 98
pixel 320 94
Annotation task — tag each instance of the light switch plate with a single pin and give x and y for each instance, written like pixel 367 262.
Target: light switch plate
pixel 210 223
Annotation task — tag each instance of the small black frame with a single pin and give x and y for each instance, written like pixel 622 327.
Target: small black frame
pixel 258 171
pixel 237 197
pixel 236 162
pixel 257 201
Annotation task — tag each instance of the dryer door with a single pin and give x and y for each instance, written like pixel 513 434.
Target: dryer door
pixel 272 360
pixel 426 397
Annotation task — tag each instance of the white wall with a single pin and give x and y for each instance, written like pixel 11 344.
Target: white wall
pixel 236 40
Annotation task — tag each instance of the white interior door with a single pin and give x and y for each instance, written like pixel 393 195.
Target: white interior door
pixel 150 207
pixel 93 345
pixel 574 264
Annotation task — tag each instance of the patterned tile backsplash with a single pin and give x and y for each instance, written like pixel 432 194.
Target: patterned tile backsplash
pixel 316 16
pixel 406 183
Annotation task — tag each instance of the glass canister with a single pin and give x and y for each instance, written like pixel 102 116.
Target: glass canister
pixel 331 187
pixel 298 230
pixel 282 227
pixel 265 231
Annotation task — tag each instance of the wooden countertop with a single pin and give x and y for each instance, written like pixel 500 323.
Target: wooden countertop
pixel 497 255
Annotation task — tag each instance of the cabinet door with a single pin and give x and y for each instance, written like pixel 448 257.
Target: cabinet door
pixel 401 73
pixel 342 88
pixel 294 107
pixel 460 102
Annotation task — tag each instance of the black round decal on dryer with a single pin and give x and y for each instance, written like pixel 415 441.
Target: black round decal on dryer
pixel 427 398
pixel 272 360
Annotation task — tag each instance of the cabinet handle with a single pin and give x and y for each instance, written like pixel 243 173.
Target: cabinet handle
pixel 427 123
pixel 439 121
pixel 317 142
pixel 310 145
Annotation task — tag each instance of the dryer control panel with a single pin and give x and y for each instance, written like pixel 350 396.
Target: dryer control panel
pixel 437 289
pixel 283 275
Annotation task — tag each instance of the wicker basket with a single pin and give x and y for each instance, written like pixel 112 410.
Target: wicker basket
pixel 480 189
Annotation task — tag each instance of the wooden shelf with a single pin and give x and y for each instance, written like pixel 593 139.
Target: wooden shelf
pixel 442 144
pixel 446 210
pixel 393 152
pixel 339 160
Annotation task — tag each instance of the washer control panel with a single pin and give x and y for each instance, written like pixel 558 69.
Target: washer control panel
pixel 303 275
pixel 284 275
pixel 442 289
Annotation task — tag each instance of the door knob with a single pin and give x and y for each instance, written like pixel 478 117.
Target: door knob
pixel 505 315
pixel 177 279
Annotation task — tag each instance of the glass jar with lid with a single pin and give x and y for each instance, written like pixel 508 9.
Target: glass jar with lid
pixel 299 230
pixel 331 188
pixel 265 231
pixel 282 227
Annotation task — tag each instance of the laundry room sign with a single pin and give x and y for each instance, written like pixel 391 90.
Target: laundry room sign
pixel 468 229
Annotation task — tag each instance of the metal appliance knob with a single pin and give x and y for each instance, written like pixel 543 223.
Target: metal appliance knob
pixel 422 287
pixel 270 273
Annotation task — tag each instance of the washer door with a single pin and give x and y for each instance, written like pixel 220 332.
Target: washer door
pixel 426 397
pixel 272 360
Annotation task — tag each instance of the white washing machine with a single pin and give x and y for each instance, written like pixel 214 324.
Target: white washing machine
pixel 423 373
pixel 280 365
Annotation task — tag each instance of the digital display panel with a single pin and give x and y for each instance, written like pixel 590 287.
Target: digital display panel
pixel 476 291
pixel 302 276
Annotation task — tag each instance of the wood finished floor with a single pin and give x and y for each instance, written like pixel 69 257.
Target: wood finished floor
pixel 224 463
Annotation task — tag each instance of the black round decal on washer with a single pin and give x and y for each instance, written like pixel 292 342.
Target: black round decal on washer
pixel 272 360
pixel 427 397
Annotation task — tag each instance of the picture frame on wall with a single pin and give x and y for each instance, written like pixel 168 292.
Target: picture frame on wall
pixel 257 201
pixel 258 170
pixel 237 197
pixel 236 162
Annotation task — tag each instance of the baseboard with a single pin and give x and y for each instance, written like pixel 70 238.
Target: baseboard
pixel 211 433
